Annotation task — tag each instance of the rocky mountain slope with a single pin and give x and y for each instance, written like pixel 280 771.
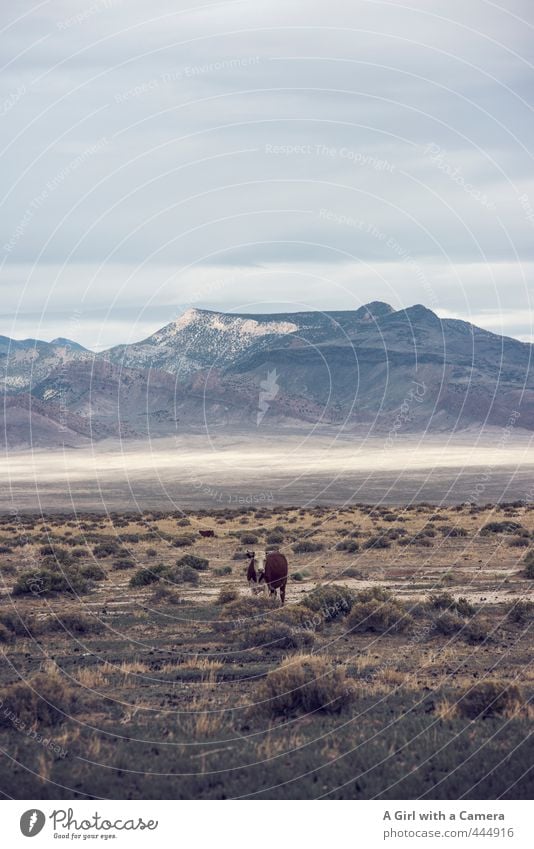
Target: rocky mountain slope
pixel 25 421
pixel 204 339
pixel 384 370
pixel 25 362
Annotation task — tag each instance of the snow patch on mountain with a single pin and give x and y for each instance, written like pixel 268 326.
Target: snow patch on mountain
pixel 203 320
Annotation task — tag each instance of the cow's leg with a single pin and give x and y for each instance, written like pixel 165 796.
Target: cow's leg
pixel 263 587
pixel 283 592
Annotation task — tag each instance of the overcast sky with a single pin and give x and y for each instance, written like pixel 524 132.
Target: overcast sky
pixel 263 155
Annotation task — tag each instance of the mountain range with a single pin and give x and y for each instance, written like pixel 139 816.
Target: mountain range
pixel 377 369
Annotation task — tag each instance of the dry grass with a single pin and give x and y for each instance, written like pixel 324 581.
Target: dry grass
pixel 92 677
pixel 45 699
pixel 202 721
pixel 303 683
pixel 490 698
pixel 202 664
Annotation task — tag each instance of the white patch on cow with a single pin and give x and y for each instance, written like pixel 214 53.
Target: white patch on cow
pixel 259 561
pixel 259 566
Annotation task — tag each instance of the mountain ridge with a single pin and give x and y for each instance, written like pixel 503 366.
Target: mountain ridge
pixel 343 368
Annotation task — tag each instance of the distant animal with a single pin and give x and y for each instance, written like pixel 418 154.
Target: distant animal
pixel 207 533
pixel 267 570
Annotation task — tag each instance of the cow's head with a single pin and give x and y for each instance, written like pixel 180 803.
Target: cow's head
pixel 256 566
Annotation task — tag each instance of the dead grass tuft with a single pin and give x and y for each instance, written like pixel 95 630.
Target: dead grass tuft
pixel 304 683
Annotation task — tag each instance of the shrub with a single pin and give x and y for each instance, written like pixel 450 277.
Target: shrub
pixel 151 552
pixel 194 562
pixel 106 549
pixel 331 601
pixel 73 623
pixel 297 576
pixel 375 592
pixel 226 595
pixel 44 699
pixel 456 532
pixel 448 624
pixel 423 542
pixel 507 527
pixel 377 542
pixel 276 635
pixel 464 607
pixel 379 617
pixel 5 549
pixel 275 538
pixel 529 564
pixel 445 601
pixel 519 542
pixel 182 542
pixel 184 574
pixel 300 616
pixel 129 538
pixel 55 556
pixel 303 683
pixel 183 523
pixel 93 572
pixel 249 607
pixel 348 545
pixel 6 636
pixel 351 572
pixel 144 577
pixel 248 539
pixel 476 631
pixel 14 623
pixel 489 698
pixel 43 582
pixel 165 595
pixel 222 570
pixel 521 611
pixel 306 546
pixel 123 563
pixel 239 555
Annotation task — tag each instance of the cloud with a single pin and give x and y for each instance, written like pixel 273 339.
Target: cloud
pixel 139 301
pixel 145 147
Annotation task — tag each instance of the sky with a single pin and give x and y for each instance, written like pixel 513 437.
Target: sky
pixel 263 156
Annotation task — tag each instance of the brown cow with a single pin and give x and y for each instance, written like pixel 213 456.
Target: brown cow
pixel 269 569
pixel 208 533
